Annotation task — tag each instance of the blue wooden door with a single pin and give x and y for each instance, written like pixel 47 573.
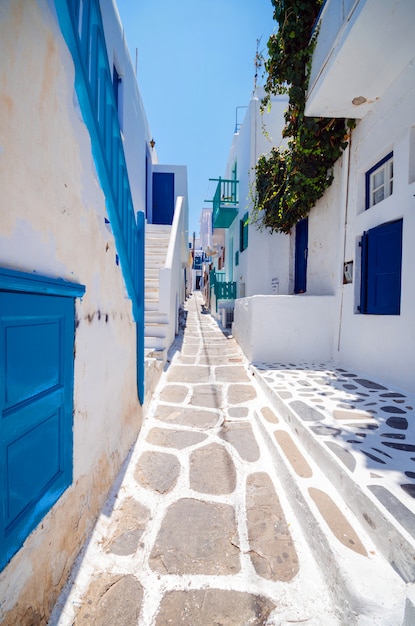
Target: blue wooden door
pixel 163 198
pixel 301 252
pixel 381 269
pixel 36 389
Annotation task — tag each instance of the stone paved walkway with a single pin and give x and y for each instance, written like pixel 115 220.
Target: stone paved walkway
pixel 221 515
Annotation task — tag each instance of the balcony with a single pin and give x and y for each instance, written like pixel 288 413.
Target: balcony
pixel 225 202
pixel 362 46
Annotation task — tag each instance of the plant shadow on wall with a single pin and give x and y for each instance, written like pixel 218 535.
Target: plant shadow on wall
pixel 289 181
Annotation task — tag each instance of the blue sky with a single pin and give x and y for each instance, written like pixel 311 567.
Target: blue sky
pixel 196 64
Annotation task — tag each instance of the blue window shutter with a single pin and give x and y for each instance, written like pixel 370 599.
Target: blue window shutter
pixel 383 272
pixel 364 280
pixel 36 404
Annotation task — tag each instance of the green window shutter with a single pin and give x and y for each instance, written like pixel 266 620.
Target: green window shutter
pixel 243 233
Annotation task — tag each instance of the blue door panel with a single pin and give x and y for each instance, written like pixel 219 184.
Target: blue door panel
pixel 36 396
pixel 25 341
pixel 301 251
pixel 26 478
pixel 163 197
pixel 383 269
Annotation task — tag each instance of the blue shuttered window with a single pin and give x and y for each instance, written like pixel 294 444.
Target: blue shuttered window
pixel 381 269
pixel 37 329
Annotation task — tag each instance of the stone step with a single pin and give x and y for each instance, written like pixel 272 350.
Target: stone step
pixel 385 514
pixel 156 317
pixel 154 353
pixel 154 329
pixel 340 544
pixel 155 343
pixel 151 305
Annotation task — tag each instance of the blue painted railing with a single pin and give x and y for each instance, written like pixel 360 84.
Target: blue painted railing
pixel 81 25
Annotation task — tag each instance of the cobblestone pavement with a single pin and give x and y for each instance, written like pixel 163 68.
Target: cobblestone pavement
pixel 223 514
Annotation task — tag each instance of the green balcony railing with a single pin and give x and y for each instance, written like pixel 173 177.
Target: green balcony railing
pixel 225 202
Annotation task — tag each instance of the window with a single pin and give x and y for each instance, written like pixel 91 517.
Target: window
pixel 237 258
pixel 381 269
pixel 379 181
pixel 243 233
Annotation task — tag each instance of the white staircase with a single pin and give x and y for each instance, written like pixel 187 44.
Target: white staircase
pixel 155 322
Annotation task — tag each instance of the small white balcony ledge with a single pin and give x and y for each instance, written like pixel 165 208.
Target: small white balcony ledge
pixel 362 47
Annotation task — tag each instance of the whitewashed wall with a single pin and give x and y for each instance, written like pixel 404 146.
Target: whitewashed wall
pixel 280 329
pixel 383 345
pixel 52 222
pixel 267 256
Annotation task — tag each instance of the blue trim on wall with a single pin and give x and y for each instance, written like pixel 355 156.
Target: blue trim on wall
pixel 84 35
pixel 13 280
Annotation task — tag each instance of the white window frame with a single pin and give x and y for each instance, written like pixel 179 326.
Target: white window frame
pixel 377 191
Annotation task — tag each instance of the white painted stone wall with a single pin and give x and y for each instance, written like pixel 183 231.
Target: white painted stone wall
pixel 277 329
pixel 52 223
pixel 379 346
pixel 383 345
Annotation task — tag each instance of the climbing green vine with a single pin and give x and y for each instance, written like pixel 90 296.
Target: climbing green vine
pixel 288 182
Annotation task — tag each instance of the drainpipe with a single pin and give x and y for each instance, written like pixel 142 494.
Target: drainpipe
pixel 345 230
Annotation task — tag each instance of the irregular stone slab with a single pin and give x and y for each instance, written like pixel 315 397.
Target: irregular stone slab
pixel 186 360
pixel 189 349
pixel 199 607
pixel 129 523
pixel 336 521
pixel 241 436
pixel 272 549
pixel 238 411
pixel 231 374
pixel 185 416
pixel 306 412
pixel 409 488
pixel 111 600
pixel 269 415
pixel 373 457
pixel 188 374
pixel 344 455
pixel 207 395
pixel 214 360
pixel 345 414
pixel 158 471
pixel 294 456
pixel 324 430
pixel 178 439
pixel 212 470
pixel 369 384
pixel 241 393
pixel 173 393
pixel 400 423
pixel 395 507
pixel 406 447
pixel 392 409
pixel 197 538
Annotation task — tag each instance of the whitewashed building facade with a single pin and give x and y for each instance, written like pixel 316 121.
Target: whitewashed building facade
pixel 353 302
pixel 76 164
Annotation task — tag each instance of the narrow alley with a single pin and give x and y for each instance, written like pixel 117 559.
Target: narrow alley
pixel 205 526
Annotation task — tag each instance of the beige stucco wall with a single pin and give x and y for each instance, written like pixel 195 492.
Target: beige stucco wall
pixel 52 212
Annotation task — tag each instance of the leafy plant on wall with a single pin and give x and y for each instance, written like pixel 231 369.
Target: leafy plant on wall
pixel 289 181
